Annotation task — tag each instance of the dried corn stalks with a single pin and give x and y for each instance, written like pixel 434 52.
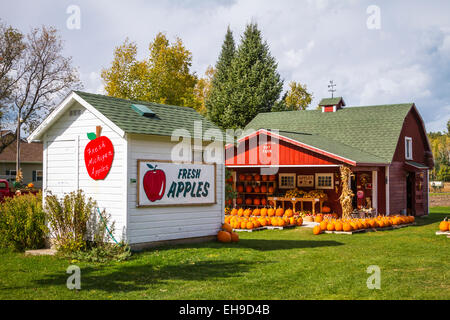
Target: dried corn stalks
pixel 347 195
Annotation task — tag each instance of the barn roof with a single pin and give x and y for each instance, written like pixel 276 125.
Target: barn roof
pixel 166 118
pixel 363 134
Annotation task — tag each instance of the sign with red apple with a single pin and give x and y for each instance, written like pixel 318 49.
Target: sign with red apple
pixel 167 183
pixel 98 155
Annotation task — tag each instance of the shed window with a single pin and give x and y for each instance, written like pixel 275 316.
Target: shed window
pixel 11 173
pixel 408 148
pixel 286 180
pixel 324 181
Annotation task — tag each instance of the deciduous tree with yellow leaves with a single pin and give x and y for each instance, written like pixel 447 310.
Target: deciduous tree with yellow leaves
pixel 164 77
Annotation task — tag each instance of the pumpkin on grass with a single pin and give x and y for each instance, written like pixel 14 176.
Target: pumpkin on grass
pixel 444 225
pixel 224 236
pixel 323 225
pixel 227 227
pixel 299 221
pixel 234 237
pixel 330 226
pixel 317 230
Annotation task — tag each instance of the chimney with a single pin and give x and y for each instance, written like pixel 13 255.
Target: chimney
pixel 331 104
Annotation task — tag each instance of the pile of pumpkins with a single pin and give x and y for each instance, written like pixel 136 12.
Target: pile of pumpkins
pixel 256 218
pixel 227 235
pixel 444 225
pixel 332 224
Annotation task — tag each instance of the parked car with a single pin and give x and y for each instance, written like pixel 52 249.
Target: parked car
pixel 7 191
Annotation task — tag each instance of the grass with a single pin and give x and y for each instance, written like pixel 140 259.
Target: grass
pixel 288 264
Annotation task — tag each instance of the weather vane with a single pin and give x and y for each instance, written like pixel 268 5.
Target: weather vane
pixel 331 86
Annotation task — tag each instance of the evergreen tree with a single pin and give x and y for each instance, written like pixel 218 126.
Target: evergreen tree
pixel 217 100
pixel 254 83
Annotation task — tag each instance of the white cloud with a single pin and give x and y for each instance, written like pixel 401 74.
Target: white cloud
pixel 314 41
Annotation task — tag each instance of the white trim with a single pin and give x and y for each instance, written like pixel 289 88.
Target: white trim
pixel 375 190
pixel 317 175
pixel 36 135
pixel 77 162
pixel 406 148
pixel 387 190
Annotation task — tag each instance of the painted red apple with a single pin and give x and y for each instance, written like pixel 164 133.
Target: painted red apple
pixel 98 156
pixel 154 183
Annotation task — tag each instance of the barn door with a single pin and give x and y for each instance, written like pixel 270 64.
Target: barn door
pixel 62 166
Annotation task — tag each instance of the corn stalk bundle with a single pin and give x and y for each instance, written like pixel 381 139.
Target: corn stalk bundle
pixel 347 195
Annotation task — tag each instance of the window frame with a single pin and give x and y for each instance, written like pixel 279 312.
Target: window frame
pixel 291 175
pixel 330 175
pixel 408 142
pixel 35 175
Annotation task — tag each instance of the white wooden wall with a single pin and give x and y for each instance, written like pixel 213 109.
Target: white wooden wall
pixel 65 170
pixel 167 223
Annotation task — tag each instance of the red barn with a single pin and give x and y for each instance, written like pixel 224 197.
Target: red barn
pixel 385 146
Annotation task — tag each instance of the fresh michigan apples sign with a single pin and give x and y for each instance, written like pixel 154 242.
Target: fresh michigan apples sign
pixel 168 183
pixel 98 156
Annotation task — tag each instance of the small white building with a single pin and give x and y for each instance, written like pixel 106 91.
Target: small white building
pixel 121 153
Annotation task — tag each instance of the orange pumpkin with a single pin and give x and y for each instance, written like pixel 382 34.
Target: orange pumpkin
pixel 338 226
pixel 234 212
pixel 248 189
pixel 256 201
pixel 299 221
pixel 263 212
pixel 279 212
pixel 257 189
pixel 249 225
pixel 272 177
pixel 263 189
pixel 317 230
pixel 240 212
pixel 247 212
pixel 242 177
pixel 263 201
pixel 239 201
pixel 323 225
pixel 257 177
pixel 271 212
pixel 256 212
pixel 248 201
pixel 444 225
pixel 292 221
pixel 234 237
pixel 347 227
pixel 224 236
pixel 318 218
pixel 227 227
pixel 330 227
pixel 289 213
pixel 326 209
pixel 249 177
pixel 270 190
pixel 240 188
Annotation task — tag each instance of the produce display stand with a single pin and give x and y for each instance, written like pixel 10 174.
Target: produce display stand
pixel 294 201
pixel 372 229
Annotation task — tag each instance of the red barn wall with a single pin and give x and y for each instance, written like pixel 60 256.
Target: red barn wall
pixel 412 127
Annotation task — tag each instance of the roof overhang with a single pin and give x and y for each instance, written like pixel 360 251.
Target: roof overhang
pixel 37 134
pixel 297 143
pixel 415 166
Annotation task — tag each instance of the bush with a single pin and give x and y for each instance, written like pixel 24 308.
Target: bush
pixel 22 222
pixel 82 232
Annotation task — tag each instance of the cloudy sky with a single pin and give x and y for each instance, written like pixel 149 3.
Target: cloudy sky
pixel 404 56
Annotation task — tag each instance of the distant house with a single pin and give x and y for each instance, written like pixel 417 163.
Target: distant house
pixel 30 161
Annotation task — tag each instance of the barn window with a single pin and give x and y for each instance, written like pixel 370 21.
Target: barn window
pixel 286 180
pixel 408 148
pixel 324 181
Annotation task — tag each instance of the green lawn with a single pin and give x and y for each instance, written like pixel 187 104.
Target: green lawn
pixel 289 264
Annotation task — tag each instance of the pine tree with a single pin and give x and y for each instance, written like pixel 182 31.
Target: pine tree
pixel 254 82
pixel 217 100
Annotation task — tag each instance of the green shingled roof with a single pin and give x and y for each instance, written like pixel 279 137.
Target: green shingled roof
pixel 166 120
pixel 330 101
pixel 362 134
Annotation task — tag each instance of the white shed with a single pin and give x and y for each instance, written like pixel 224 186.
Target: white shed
pixel 127 156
